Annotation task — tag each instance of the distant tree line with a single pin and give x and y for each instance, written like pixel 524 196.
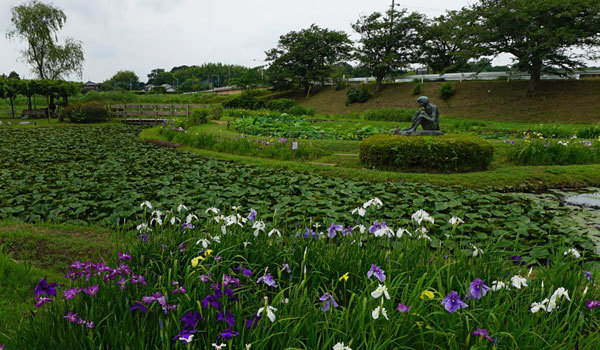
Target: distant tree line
pixel 541 36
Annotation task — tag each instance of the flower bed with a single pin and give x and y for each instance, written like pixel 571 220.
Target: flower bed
pixel 231 279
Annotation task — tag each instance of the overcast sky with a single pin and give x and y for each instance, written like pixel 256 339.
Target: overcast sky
pixel 141 35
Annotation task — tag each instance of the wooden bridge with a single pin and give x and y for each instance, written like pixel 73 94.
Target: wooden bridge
pixel 153 114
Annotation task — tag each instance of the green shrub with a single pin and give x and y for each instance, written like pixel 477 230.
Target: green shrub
pixel 197 117
pixel 244 101
pixel 390 114
pixel 354 95
pixel 417 89
pixel 298 110
pixel 447 153
pixel 447 91
pixel 591 132
pixel 86 113
pixel 216 112
pixel 280 104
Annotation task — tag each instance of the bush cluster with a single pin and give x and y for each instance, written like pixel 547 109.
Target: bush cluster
pixel 86 113
pixel 244 101
pixel 447 153
pixel 417 88
pixel 390 114
pixel 447 91
pixel 353 95
pixel 286 105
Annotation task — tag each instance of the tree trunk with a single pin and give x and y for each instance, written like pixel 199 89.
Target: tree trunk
pixel 12 106
pixel 29 101
pixel 378 84
pixel 307 90
pixel 65 100
pixel 535 72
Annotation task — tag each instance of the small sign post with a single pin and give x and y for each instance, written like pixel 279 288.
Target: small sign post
pixel 294 146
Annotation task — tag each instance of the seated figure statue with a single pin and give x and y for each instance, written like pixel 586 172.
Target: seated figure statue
pixel 428 118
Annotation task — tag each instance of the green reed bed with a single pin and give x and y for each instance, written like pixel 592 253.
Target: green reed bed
pixel 540 151
pixel 230 279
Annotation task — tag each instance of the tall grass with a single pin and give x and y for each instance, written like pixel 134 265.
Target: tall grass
pixel 317 262
pixel 554 152
pixel 279 148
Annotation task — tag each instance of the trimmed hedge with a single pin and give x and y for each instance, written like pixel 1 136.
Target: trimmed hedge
pixel 447 153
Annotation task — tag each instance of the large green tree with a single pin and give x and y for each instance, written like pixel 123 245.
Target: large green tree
pixel 443 43
pixel 37 24
pixel 388 42
pixel 306 57
pixel 124 80
pixel 541 35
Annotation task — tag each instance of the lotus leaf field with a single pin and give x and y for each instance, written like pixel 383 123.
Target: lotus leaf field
pixel 223 255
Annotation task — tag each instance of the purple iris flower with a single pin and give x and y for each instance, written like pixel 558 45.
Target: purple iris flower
pixel 179 289
pixel 229 280
pixel 478 289
pixel 517 260
pixel 310 233
pixel 227 317
pixel 143 237
pixel 376 226
pixel 590 304
pixel 228 334
pixel 139 306
pixel 164 246
pixel 212 301
pixel 191 319
pixel 287 268
pixel 268 279
pixel 484 333
pixel 186 226
pixel 452 302
pixel 347 231
pixel 377 271
pixel 71 317
pixel 253 322
pixel 124 256
pixel 204 278
pixel 182 247
pixel 588 275
pixel 328 301
pixel 44 287
pixel 245 271
pixel 71 293
pixel 42 300
pixel 403 308
pixel 91 290
pixel 333 228
pixel 185 336
pixel 252 215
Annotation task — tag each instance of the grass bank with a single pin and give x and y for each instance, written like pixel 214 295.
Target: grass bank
pixel 557 101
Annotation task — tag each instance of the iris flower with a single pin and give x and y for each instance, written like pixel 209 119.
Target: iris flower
pixel 573 252
pixel 228 334
pixel 252 215
pixel 341 346
pixel 381 290
pixel 360 211
pixel 196 260
pixel 426 294
pixel 227 317
pixel 258 226
pixel 477 289
pixel 328 301
pixel 344 277
pixel 420 216
pixel 377 271
pixel 44 287
pixel 71 293
pixel 455 221
pixel 333 228
pixel 268 280
pixel 484 333
pixel 379 310
pixel 453 303
pixel 185 336
pixel 139 306
pixel 274 231
pixel 403 308
pixel 518 281
pixel 497 285
pixel 270 311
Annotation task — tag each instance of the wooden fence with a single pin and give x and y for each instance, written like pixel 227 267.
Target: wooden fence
pixel 154 110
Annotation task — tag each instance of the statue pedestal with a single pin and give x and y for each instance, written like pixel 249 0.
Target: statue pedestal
pixel 419 133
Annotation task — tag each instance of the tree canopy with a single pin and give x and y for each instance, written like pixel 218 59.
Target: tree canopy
pixel 541 35
pixel 388 42
pixel 305 58
pixel 37 24
pixel 125 80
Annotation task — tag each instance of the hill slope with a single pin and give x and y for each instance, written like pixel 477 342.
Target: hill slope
pixel 558 101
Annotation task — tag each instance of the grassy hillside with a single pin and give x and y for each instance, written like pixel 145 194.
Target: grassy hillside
pixel 558 101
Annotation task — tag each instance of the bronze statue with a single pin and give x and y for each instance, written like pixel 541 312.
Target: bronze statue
pixel 428 118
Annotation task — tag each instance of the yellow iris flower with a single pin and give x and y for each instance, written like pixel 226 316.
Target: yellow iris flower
pixel 196 260
pixel 208 252
pixel 427 294
pixel 344 277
